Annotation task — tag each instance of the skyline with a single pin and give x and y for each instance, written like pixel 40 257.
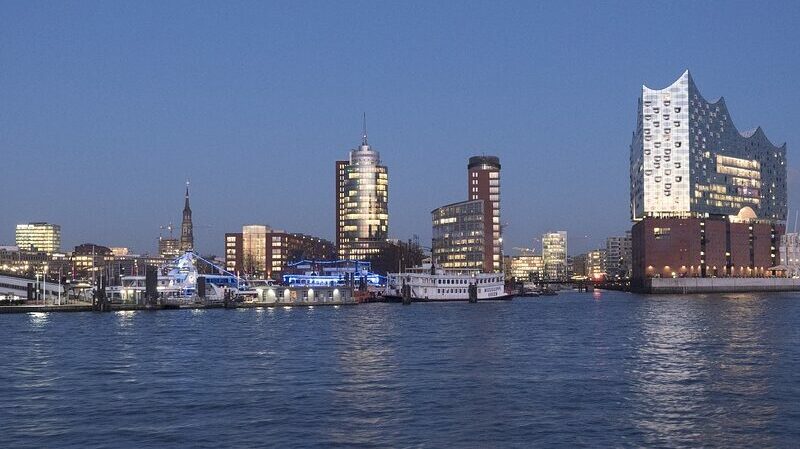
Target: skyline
pixel 167 110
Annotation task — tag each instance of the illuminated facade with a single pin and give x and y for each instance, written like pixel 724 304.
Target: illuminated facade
pixel 526 267
pixel 483 183
pixel 467 235
pixel 265 252
pixel 688 159
pixel 458 235
pixel 169 248
pixel 44 237
pixel 362 204
pixel 596 263
pixel 554 254
pixel 708 200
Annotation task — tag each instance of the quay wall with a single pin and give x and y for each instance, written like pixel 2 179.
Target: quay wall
pixel 719 285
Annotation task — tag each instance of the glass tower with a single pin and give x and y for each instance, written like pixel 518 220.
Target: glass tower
pixel 689 160
pixel 362 204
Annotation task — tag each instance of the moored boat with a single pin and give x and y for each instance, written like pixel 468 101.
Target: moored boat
pixel 429 283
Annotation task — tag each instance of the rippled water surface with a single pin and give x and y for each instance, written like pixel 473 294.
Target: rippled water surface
pixel 604 369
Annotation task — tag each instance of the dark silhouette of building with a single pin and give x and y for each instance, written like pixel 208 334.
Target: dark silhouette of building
pixel 187 232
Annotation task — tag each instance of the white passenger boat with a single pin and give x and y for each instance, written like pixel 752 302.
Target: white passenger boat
pixel 428 283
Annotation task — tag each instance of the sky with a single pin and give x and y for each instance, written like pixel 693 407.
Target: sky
pixel 106 108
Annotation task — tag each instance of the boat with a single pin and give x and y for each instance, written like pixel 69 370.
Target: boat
pixel 180 283
pixel 431 283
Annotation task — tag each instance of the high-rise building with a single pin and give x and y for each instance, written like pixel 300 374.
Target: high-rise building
pixel 619 256
pixel 483 183
pixel 362 204
pixel 187 232
pixel 43 237
pixel 689 160
pixel 467 234
pixel 554 254
pixel 707 199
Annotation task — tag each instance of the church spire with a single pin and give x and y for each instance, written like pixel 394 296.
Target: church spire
pixel 186 202
pixel 187 228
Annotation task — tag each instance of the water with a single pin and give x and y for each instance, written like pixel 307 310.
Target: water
pixel 605 369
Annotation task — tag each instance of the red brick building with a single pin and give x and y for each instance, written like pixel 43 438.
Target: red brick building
pixel 703 247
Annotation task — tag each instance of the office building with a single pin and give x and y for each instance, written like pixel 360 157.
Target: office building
pixel 169 248
pixel 619 256
pixel 42 237
pixel 362 204
pixel 526 267
pixel 467 234
pixel 707 199
pixel 596 264
pixel 458 235
pixel 554 255
pixel 261 251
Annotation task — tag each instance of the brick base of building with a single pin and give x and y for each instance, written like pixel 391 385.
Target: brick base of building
pixel 703 248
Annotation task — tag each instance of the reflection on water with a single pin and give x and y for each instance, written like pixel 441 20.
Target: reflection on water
pixel 602 369
pixel 701 369
pixel 38 319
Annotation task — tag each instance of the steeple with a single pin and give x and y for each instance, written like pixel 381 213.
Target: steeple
pixel 186 202
pixel 187 232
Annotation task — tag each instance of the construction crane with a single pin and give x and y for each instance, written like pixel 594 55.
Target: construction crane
pixel 168 227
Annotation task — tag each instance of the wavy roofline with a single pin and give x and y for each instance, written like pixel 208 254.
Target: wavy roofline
pixel 758 131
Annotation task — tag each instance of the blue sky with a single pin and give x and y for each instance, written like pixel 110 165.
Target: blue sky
pixel 107 107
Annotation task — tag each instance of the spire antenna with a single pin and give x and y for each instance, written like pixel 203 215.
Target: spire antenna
pixel 364 135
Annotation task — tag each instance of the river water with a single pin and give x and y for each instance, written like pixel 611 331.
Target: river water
pixel 603 369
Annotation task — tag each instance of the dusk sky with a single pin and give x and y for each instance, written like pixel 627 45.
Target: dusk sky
pixel 107 107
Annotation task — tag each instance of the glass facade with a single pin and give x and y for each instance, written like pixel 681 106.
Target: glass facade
pixel 362 198
pixel 254 249
pixel 44 237
pixel 554 254
pixel 458 235
pixel 688 159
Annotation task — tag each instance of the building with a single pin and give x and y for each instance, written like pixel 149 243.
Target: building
pixel 362 204
pixel 458 235
pixel 483 183
pixel 169 248
pixel 790 253
pixel 578 266
pixel 707 200
pixel 554 254
pixel 261 251
pixel 44 237
pixel 619 256
pixel 526 267
pixel 234 249
pixel 120 251
pixel 87 259
pixel 467 234
pixel 187 228
pixel 596 264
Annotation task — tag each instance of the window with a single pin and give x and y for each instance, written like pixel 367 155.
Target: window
pixel 661 233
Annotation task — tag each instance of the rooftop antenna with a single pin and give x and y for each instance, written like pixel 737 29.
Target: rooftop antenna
pixel 364 135
pixel 795 219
